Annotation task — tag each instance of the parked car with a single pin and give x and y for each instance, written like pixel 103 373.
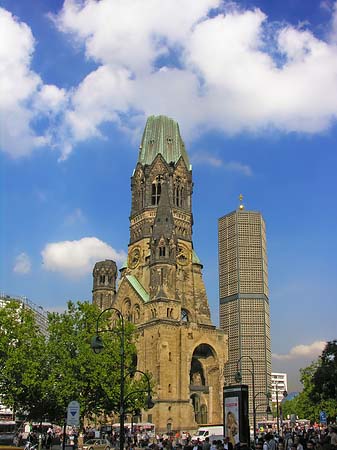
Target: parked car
pixel 97 444
pixel 7 438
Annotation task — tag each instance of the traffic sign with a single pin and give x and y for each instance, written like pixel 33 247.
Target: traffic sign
pixel 322 417
pixel 73 414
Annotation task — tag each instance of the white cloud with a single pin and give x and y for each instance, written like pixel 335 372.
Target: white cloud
pixel 232 70
pixel 303 351
pixel 23 97
pixel 229 78
pixel 50 99
pixel 22 264
pixel 77 258
pixel 230 166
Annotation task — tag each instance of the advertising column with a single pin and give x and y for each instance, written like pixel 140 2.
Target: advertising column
pixel 236 418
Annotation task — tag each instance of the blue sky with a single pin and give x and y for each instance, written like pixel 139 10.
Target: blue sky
pixel 253 86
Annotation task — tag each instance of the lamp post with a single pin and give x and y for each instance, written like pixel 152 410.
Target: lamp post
pixel 285 393
pixel 268 396
pixel 97 346
pixel 238 378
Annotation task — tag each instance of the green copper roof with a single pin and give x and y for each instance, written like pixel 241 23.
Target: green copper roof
pixel 138 287
pixel 162 135
pixel 195 258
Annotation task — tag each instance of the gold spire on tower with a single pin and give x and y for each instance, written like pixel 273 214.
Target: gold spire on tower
pixel 241 206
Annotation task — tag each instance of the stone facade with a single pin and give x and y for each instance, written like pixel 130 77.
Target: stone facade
pixel 161 288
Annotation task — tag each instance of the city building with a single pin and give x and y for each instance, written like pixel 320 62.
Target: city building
pixel 161 288
pixel 41 316
pixel 279 385
pixel 244 303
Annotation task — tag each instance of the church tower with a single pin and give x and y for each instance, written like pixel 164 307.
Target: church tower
pixel 104 286
pixel 162 291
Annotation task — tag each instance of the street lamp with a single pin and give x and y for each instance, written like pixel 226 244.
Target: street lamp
pixel 268 396
pixel 238 379
pixel 285 393
pixel 97 346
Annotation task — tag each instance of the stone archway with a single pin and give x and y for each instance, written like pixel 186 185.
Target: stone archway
pixel 204 384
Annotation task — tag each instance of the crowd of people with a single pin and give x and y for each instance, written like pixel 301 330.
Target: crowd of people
pixel 319 438
pixel 309 438
pixel 312 438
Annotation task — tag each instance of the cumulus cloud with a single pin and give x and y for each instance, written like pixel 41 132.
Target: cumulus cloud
pixel 228 74
pixel 23 97
pixel 303 351
pixel 230 166
pixel 218 67
pixel 77 258
pixel 22 264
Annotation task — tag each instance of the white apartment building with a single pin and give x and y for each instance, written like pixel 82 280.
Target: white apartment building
pixel 41 316
pixel 279 384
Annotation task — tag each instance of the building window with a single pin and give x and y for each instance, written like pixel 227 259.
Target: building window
pixel 161 251
pixel 102 279
pixel 156 190
pixel 184 315
pixel 178 193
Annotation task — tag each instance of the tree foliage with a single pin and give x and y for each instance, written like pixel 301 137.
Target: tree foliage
pixel 22 351
pixel 40 376
pixel 319 384
pixel 325 377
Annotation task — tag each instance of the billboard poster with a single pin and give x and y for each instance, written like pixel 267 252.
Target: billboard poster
pixel 232 419
pixel 235 413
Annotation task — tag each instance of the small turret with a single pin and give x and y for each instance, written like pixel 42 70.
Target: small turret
pixel 104 283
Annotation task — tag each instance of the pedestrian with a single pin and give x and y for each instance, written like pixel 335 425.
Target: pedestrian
pixel 49 439
pixel 271 443
pixel 206 444
pixel 333 438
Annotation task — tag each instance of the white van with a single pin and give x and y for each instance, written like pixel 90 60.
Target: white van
pixel 208 431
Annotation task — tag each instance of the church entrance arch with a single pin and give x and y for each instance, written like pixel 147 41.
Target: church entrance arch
pixel 200 409
pixel 203 362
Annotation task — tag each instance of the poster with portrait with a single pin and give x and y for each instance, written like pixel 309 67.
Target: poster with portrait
pixel 232 419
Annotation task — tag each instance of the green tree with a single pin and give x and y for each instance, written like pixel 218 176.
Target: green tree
pixel 319 384
pixel 77 373
pixel 40 376
pixel 22 354
pixel 325 377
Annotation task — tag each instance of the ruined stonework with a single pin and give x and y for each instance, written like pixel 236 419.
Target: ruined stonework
pixel 104 285
pixel 162 291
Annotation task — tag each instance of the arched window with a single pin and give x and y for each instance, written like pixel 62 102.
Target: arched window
pixel 156 190
pixel 136 314
pixel 178 193
pixel 184 315
pixel 203 414
pixel 127 310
